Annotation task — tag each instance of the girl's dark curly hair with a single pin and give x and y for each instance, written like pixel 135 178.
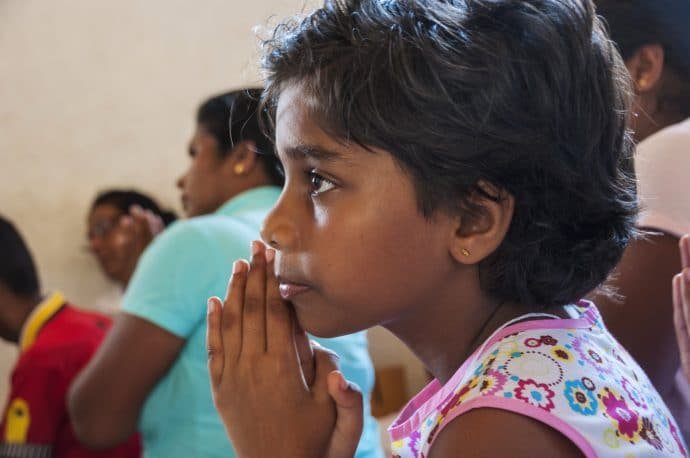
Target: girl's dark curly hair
pixel 530 96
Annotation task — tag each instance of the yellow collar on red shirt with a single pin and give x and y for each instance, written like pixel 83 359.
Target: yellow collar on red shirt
pixel 38 318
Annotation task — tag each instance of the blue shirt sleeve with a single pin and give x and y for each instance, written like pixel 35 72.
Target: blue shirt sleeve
pixel 171 283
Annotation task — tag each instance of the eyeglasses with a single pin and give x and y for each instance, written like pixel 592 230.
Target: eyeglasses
pixel 101 229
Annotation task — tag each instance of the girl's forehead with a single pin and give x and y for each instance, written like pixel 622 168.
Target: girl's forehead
pixel 300 133
pixel 297 125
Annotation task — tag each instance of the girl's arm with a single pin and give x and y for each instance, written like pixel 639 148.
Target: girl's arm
pixel 106 398
pixel 500 433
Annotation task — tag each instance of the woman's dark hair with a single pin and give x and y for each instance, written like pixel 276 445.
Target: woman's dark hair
pixel 123 199
pixel 17 268
pixel 636 23
pixel 234 117
pixel 529 96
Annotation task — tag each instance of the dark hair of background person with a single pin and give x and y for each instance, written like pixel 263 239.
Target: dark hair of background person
pixel 635 23
pixel 234 117
pixel 528 96
pixel 17 269
pixel 123 199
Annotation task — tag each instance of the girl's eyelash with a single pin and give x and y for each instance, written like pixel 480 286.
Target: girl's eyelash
pixel 318 182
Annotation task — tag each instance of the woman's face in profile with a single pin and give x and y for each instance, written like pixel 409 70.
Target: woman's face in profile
pixel 102 222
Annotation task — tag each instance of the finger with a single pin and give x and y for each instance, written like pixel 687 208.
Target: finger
pixel 141 228
pixel 685 250
pixel 154 225
pixel 231 323
pixel 254 314
pixel 157 225
pixel 681 325
pixel 349 416
pixel 685 295
pixel 325 361
pixel 278 316
pixel 214 340
pixel 305 352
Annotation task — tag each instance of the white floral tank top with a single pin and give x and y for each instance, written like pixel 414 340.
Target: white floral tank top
pixel 570 374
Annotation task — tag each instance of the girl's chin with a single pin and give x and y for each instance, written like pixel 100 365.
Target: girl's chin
pixel 324 325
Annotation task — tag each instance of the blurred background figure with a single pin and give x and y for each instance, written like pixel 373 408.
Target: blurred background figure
pixel 653 38
pixel 109 210
pixel 55 340
pixel 153 364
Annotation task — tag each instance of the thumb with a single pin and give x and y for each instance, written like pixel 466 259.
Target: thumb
pixel 349 416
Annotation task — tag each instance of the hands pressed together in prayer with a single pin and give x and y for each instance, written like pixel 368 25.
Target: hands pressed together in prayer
pixel 681 306
pixel 277 393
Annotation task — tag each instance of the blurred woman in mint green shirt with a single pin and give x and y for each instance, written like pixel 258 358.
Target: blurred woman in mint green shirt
pixel 153 363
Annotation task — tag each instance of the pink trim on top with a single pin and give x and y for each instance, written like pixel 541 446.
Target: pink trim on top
pixel 520 408
pixel 421 405
pixel 433 395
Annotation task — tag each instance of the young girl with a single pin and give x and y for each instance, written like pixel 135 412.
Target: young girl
pixel 459 172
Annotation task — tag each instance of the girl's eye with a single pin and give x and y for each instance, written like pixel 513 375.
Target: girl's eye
pixel 318 184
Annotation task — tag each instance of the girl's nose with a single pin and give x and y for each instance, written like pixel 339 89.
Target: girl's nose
pixel 280 226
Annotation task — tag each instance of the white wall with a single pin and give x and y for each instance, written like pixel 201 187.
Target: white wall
pixel 98 93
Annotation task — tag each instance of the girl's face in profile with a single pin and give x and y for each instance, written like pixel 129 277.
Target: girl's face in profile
pixel 353 249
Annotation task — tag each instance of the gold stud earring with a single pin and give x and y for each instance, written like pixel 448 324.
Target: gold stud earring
pixel 239 169
pixel 465 252
pixel 642 83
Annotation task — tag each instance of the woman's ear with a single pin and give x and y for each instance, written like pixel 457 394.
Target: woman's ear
pixel 478 234
pixel 242 159
pixel 646 67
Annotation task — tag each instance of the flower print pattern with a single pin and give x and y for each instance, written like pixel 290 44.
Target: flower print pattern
pixel 627 422
pixel 548 340
pixel 537 394
pixel 633 393
pixel 492 382
pixel 676 437
pixel 562 354
pixel 588 383
pixel 580 398
pixel 486 364
pixel 590 356
pixel 575 375
pixel 650 435
pixel 458 397
pixel 532 364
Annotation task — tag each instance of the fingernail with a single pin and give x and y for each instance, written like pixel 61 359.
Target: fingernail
pixel 209 305
pixel 255 247
pixel 270 254
pixel 686 274
pixel 343 385
pixel 237 266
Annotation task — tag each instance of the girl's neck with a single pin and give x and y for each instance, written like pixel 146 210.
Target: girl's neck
pixel 450 331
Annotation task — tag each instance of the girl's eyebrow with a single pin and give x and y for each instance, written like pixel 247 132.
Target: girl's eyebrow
pixel 304 151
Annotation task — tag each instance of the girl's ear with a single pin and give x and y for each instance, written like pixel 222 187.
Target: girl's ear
pixel 478 234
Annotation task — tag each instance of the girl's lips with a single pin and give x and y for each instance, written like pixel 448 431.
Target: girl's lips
pixel 290 290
